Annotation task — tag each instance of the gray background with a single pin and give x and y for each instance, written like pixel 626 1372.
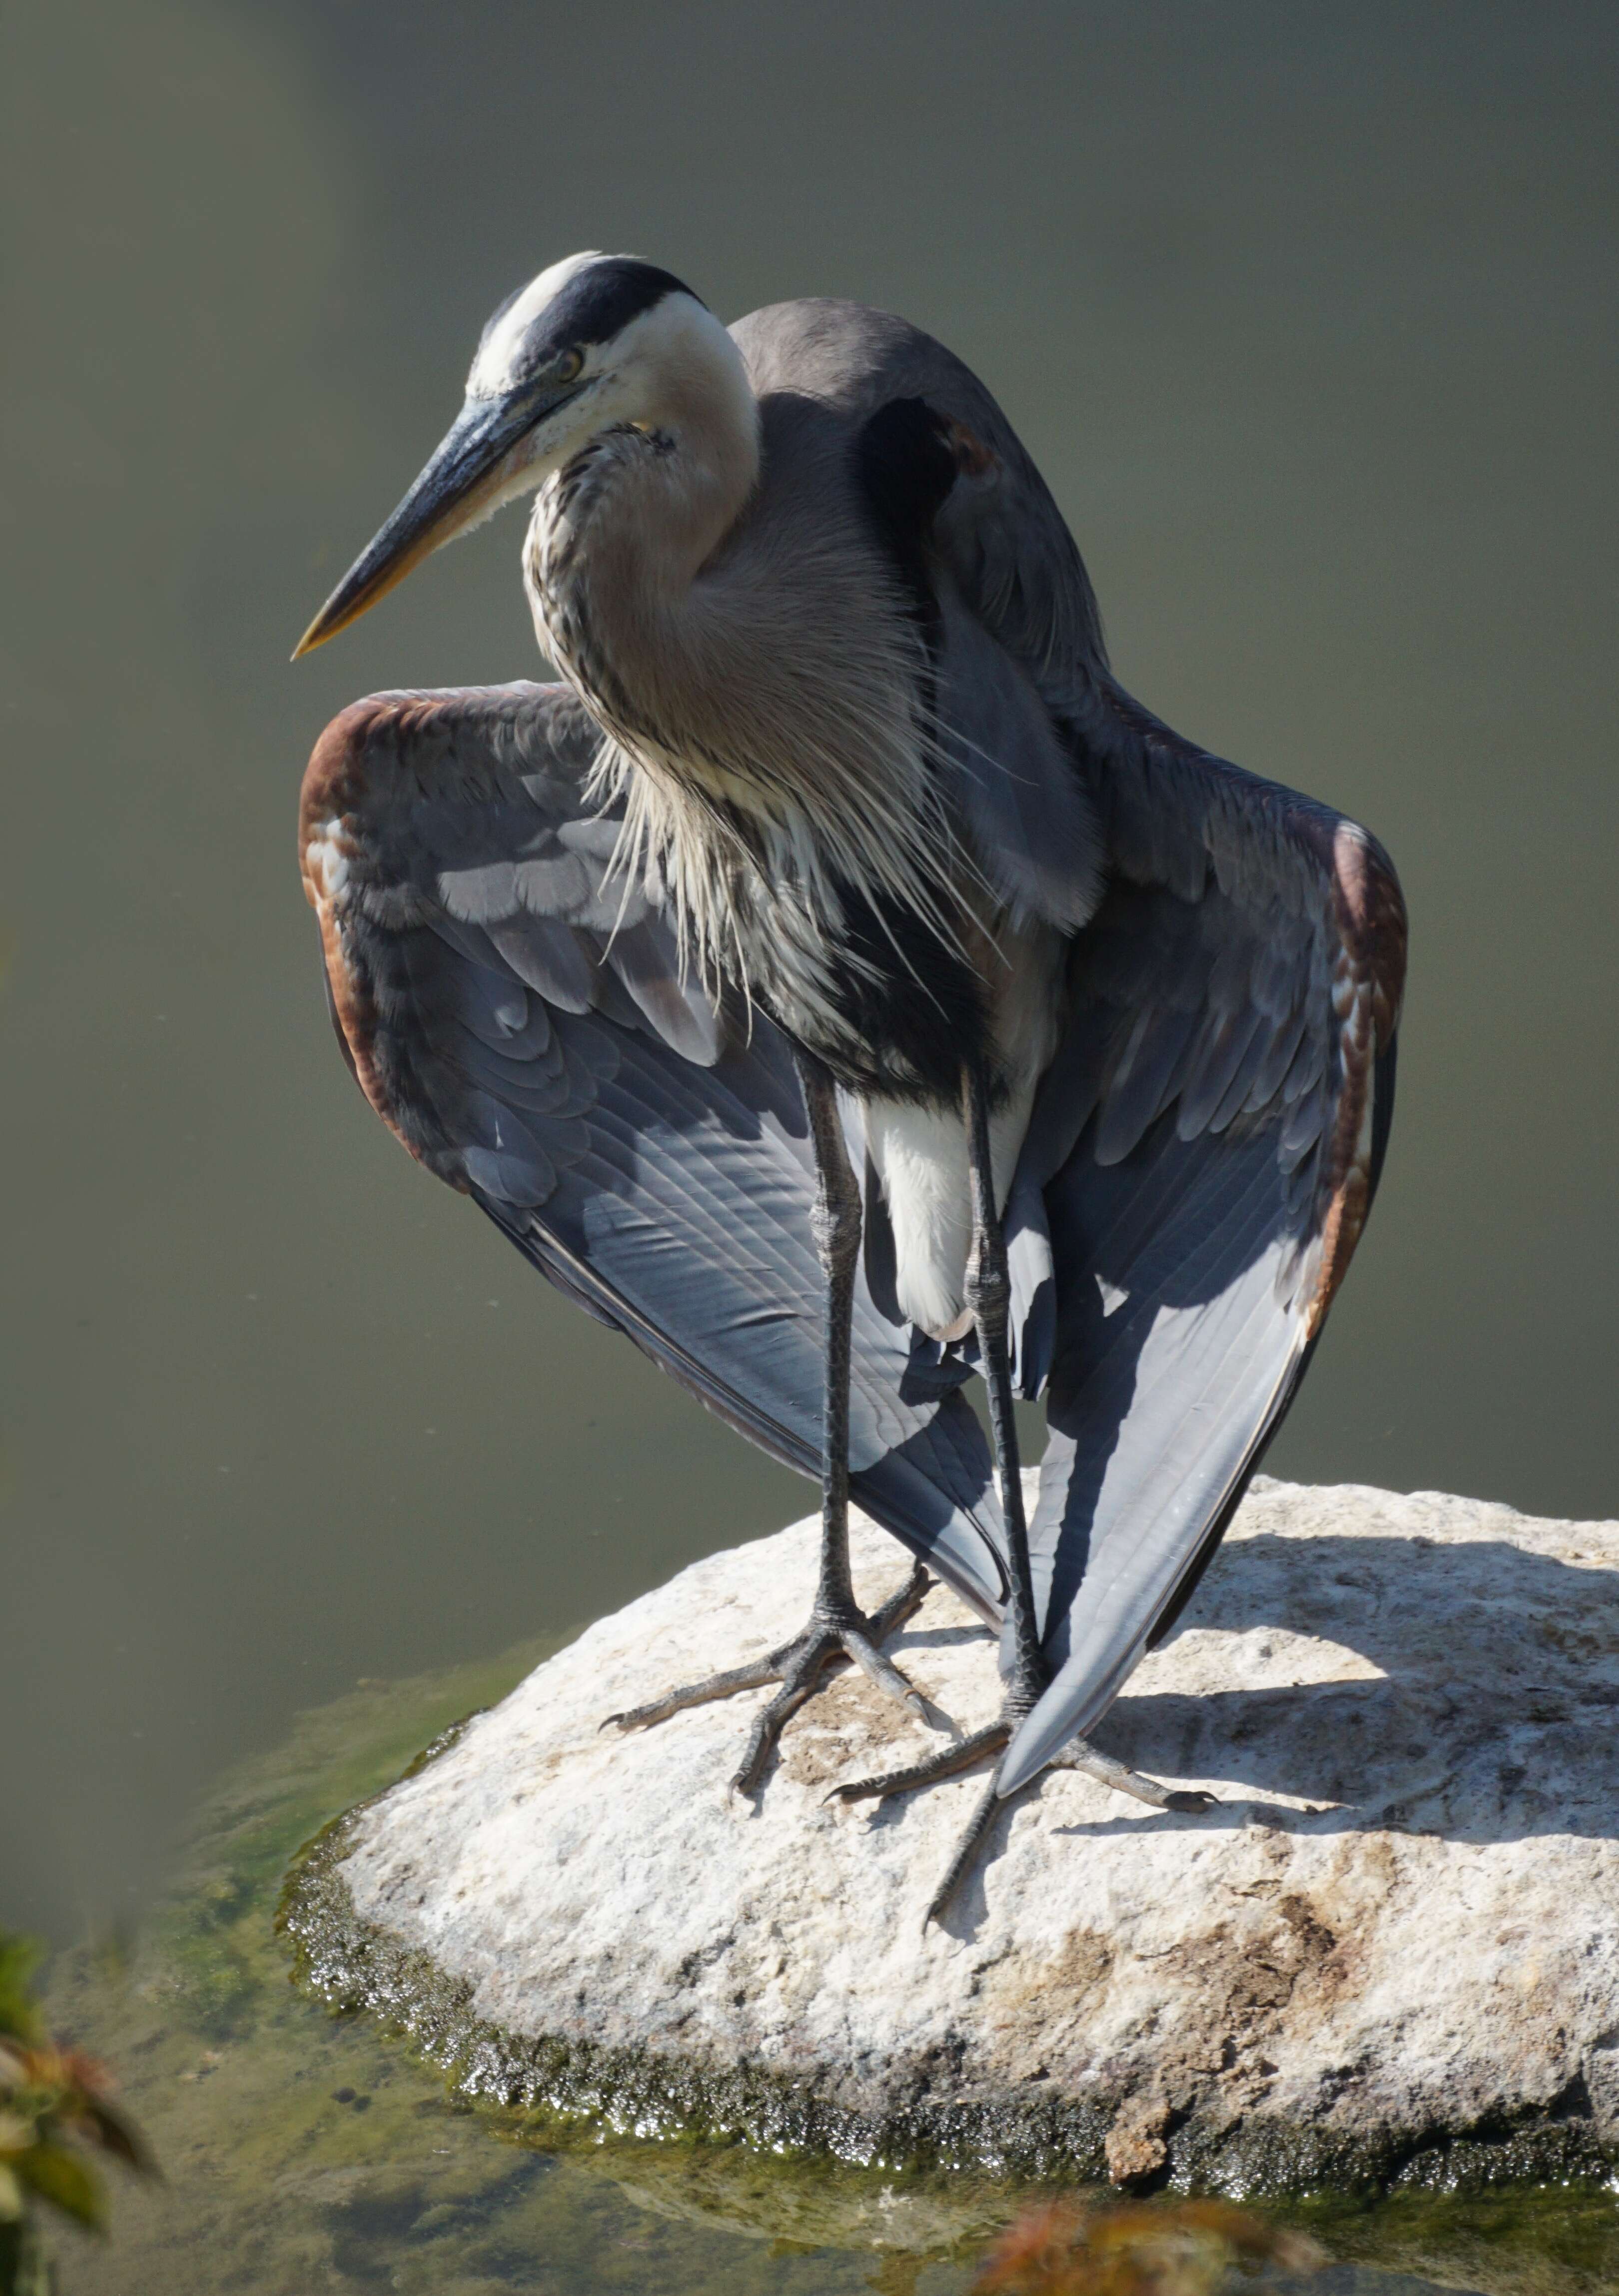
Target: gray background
pixel 1307 314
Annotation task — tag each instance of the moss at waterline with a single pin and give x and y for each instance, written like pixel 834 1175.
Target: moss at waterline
pixel 355 1966
pixel 305 2149
pixel 301 2149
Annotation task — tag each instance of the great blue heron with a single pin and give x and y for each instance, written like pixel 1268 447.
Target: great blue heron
pixel 840 781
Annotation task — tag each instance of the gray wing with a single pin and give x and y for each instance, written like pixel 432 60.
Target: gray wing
pixel 1202 1157
pixel 516 1014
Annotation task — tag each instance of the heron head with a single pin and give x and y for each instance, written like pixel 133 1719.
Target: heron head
pixel 588 345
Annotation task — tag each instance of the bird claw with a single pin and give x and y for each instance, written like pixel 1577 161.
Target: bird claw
pixel 1185 1801
pixel 948 1762
pixel 951 1761
pixel 801 1665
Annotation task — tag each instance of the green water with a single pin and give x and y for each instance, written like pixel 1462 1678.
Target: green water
pixel 304 2150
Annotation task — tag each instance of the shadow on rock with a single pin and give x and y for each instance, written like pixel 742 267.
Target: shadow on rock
pixel 1491 1718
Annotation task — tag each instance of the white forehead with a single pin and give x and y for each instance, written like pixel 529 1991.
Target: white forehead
pixel 493 368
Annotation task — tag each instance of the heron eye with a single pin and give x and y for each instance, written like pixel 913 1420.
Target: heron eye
pixel 568 366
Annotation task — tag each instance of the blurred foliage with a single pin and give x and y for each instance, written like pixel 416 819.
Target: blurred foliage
pixel 1187 2247
pixel 54 2102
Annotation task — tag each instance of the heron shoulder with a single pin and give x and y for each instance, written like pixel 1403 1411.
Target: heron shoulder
pixel 997 528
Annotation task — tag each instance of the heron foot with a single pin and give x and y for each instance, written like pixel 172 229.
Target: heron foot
pixel 950 1761
pixel 1188 1802
pixel 828 1644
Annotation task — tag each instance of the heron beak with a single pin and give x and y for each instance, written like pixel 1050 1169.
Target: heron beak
pixel 475 468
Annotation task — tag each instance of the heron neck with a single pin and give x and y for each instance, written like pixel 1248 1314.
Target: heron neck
pixel 733 627
pixel 730 629
pixel 622 543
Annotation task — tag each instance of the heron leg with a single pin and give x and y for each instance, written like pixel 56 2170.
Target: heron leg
pixel 838 1631
pixel 775 1666
pixel 989 1295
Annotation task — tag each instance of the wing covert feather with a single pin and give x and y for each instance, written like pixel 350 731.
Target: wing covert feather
pixel 518 1016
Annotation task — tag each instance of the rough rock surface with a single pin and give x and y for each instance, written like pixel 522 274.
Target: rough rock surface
pixel 1391 1955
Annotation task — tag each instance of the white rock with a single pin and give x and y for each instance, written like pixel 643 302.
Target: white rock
pixel 1391 1953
